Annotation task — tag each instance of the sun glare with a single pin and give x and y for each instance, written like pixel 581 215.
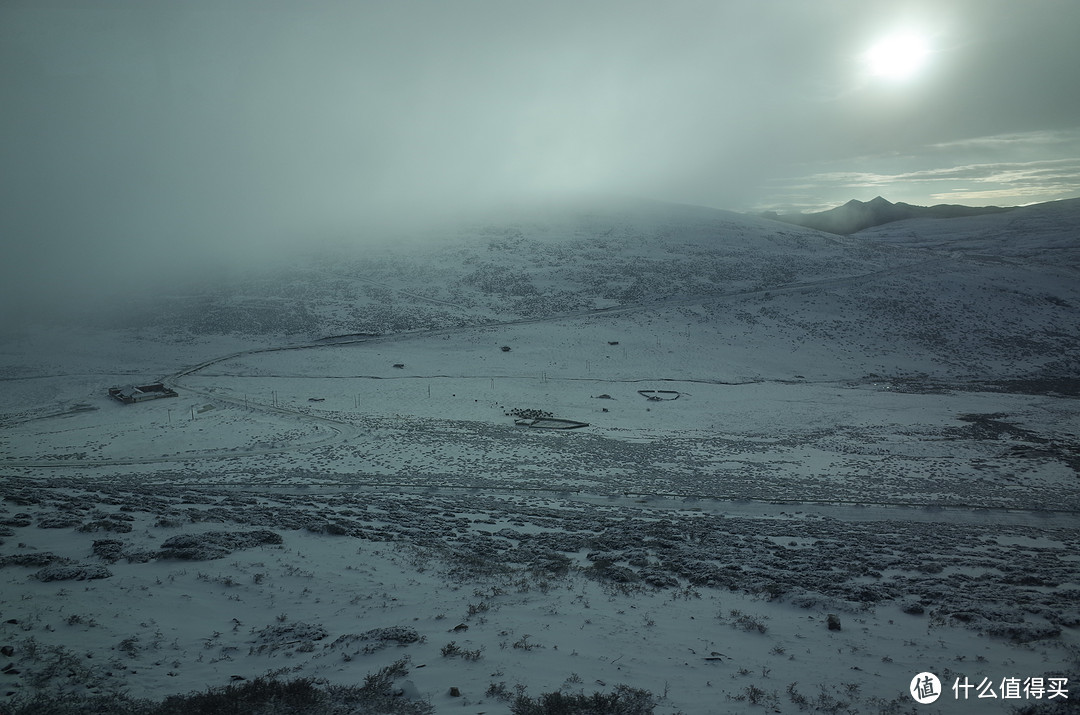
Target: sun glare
pixel 898 57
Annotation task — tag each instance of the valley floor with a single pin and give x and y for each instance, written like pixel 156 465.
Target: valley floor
pixel 321 513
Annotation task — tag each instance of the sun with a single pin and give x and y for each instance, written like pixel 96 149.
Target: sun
pixel 897 57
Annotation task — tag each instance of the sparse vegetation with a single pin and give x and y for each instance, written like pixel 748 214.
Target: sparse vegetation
pixel 452 650
pixel 524 644
pixel 261 696
pixel 624 700
pixel 747 622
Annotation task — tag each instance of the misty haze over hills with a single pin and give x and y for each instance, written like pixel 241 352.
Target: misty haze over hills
pixel 948 312
pixel 147 139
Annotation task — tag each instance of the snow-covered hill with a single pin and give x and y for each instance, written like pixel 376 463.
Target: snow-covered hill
pixel 782 425
pixel 983 298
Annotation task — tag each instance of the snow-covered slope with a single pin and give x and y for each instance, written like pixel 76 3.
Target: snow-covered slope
pixel 782 425
pixel 989 297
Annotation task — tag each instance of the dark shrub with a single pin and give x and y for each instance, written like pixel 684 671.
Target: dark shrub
pixel 623 701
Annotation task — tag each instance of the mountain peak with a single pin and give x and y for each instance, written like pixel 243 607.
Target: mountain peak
pixel 856 215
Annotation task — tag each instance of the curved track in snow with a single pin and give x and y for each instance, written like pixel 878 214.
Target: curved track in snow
pixel 339 431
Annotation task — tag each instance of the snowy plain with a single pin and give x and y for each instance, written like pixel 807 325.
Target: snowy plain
pixel 882 427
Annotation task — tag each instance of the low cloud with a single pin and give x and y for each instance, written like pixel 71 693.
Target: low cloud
pixel 149 139
pixel 1025 141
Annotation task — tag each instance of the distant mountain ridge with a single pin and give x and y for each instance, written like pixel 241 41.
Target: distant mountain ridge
pixel 857 215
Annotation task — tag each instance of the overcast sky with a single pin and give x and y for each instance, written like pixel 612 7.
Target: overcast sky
pixel 131 130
